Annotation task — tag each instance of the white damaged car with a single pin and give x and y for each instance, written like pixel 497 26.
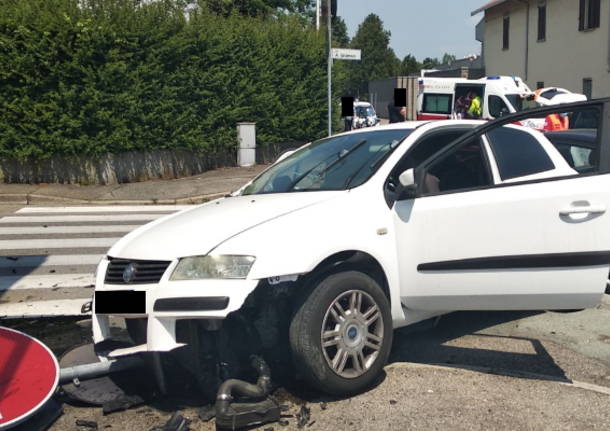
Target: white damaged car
pixel 354 235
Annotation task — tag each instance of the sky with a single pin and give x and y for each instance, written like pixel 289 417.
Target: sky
pixel 423 28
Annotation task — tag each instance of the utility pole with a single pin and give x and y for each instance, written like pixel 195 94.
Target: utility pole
pixel 318 4
pixel 330 67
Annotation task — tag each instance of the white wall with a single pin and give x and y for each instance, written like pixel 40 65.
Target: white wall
pixel 563 59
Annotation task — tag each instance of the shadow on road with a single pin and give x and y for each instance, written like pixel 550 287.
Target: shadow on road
pixel 456 341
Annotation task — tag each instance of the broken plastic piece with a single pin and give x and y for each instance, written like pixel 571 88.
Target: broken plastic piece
pixel 176 423
pixel 86 424
pixel 303 416
pixel 87 307
pixel 207 412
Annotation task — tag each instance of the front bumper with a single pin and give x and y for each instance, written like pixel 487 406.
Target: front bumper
pixel 169 301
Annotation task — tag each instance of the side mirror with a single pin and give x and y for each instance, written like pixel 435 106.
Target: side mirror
pixel 407 187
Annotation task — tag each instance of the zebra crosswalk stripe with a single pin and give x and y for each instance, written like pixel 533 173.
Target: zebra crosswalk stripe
pixel 99 209
pixel 48 255
pixel 42 220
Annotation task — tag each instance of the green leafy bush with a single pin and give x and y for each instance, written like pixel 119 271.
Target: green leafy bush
pixel 107 76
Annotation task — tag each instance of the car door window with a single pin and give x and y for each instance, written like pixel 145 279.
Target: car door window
pixel 427 146
pixel 462 169
pixel 517 153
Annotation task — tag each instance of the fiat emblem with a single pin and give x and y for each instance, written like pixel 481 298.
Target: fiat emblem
pixel 129 273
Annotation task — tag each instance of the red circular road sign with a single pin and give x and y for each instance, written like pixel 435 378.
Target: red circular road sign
pixel 28 376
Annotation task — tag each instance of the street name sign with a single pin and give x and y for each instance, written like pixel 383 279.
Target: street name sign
pixel 345 54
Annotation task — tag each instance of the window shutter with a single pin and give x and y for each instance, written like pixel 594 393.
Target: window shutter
pixel 594 13
pixel 541 22
pixel 505 32
pixel 581 15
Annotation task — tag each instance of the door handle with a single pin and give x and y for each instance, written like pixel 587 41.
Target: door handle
pixel 589 209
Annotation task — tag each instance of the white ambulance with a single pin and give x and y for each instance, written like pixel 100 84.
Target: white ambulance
pixel 443 98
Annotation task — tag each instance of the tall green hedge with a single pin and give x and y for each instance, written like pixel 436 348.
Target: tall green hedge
pixel 106 76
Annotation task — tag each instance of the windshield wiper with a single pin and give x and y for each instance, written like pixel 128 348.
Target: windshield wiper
pixel 373 166
pixel 341 156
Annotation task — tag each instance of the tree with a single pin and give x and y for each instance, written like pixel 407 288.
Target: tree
pixel 429 63
pixel 409 65
pixel 339 29
pixel 378 59
pixel 257 7
pixel 448 59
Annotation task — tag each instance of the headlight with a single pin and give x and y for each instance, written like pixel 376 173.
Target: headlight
pixel 212 267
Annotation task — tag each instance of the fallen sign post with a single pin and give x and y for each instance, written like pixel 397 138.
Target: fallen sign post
pixel 29 374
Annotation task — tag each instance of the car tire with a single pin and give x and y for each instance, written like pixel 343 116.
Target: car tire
pixel 351 313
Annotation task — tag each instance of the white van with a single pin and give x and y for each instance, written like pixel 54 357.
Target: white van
pixel 500 95
pixel 364 115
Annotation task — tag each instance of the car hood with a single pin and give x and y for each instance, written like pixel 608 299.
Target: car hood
pixel 198 230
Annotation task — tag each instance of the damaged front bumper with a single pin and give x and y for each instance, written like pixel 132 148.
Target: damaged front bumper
pixel 164 303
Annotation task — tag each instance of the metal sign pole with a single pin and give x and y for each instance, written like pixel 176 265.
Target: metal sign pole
pixel 330 68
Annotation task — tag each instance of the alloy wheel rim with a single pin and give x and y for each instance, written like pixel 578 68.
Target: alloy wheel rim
pixel 352 333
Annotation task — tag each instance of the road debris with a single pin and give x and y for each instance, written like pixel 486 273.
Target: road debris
pixel 176 423
pixel 207 412
pixel 303 416
pixel 234 415
pixel 113 392
pixel 86 423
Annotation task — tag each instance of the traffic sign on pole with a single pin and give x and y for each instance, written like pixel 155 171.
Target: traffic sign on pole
pixel 346 54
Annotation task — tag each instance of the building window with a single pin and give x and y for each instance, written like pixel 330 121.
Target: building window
pixel 541 22
pixel 505 30
pixel 539 85
pixel 587 87
pixel 588 14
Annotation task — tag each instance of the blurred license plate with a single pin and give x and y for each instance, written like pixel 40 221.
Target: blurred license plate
pixel 120 302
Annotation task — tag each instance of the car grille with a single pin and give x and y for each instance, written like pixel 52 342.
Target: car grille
pixel 146 271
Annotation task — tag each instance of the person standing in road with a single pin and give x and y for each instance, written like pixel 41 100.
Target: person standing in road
pixel 396 113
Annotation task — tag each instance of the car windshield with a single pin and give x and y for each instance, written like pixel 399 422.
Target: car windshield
pixel 336 163
pixel 364 111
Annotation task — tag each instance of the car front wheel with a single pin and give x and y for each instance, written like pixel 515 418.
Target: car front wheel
pixel 341 333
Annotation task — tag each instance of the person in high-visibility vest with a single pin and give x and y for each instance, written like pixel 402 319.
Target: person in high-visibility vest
pixel 556 122
pixel 474 110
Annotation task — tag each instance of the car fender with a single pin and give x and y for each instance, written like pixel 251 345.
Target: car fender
pixel 297 243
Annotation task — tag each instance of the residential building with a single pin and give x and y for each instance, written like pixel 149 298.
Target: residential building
pixel 562 43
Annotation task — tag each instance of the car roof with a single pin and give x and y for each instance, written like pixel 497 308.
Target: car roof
pixel 410 125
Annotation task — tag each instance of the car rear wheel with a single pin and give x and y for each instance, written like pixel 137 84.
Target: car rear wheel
pixel 341 333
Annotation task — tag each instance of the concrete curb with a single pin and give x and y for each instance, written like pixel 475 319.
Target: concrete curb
pixel 33 198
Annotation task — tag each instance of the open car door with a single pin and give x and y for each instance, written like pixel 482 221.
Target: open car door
pixel 499 220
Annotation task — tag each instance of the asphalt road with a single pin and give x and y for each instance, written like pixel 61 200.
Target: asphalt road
pixel 472 371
